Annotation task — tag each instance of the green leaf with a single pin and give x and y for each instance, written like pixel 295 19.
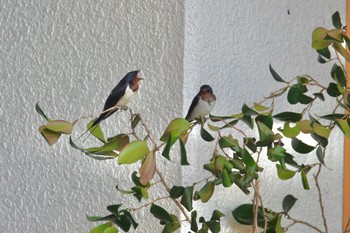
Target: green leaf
pixel 276 153
pixel 50 136
pixel 318 41
pixel 275 75
pixel 205 135
pixel 291 132
pixel 167 148
pixel 135 120
pixel 41 112
pixel 214 226
pixel 267 120
pixel 301 147
pixel 260 108
pixel 111 229
pixel 98 218
pixel 148 169
pixel 247 119
pixel 304 180
pixel 248 111
pixel 172 226
pixel 288 116
pixel 284 174
pixel 338 75
pixel 131 219
pixel 294 93
pixel 226 181
pixel 183 153
pixel 194 226
pixel 266 135
pixel 324 52
pixel 60 126
pixel 343 124
pixel 96 131
pixel 114 144
pixel 176 191
pixel 186 199
pixel 160 213
pixel 133 152
pixel 321 130
pixel 226 142
pixel 305 126
pixel 333 117
pixel 332 90
pixel 216 215
pixel 320 155
pixel 123 222
pixel 320 140
pixel 206 192
pixel 304 99
pixel 175 128
pixel 114 209
pixel 243 214
pixel 336 20
pixel 100 228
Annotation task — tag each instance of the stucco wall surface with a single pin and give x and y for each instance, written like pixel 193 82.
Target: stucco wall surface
pixel 229 45
pixel 68 55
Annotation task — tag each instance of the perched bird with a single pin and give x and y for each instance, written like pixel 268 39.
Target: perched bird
pixel 120 95
pixel 202 104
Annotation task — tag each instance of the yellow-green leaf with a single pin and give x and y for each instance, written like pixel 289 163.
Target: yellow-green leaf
pixel 344 126
pixel 305 126
pixel 50 136
pixel 133 152
pixel 60 126
pixel 338 46
pixel 96 131
pixel 321 130
pixel 291 132
pixel 284 174
pixel 175 128
pixel 260 107
pixel 318 41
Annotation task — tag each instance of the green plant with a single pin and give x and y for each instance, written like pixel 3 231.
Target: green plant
pixel 235 159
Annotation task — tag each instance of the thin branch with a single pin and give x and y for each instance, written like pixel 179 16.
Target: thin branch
pixel 174 200
pixel 320 198
pixel 347 227
pixel 295 221
pixel 149 203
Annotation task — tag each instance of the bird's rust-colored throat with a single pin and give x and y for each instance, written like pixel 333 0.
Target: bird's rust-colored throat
pixel 135 82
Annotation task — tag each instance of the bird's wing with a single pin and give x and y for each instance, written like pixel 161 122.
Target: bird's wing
pixel 113 98
pixel 192 106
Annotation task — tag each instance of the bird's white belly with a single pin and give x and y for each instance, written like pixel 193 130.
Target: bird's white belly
pixel 128 95
pixel 203 108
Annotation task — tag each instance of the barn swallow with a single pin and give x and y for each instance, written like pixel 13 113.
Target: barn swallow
pixel 202 104
pixel 120 95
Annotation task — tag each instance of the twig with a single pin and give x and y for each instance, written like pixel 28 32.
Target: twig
pixel 149 203
pixel 174 200
pixel 304 223
pixel 320 198
pixel 347 227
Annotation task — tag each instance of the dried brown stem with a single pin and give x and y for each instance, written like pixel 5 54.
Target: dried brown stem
pixel 321 199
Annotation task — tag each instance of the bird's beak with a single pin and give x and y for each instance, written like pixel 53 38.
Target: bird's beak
pixel 139 75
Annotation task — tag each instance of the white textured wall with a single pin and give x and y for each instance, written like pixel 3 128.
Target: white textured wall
pixel 229 45
pixel 68 55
